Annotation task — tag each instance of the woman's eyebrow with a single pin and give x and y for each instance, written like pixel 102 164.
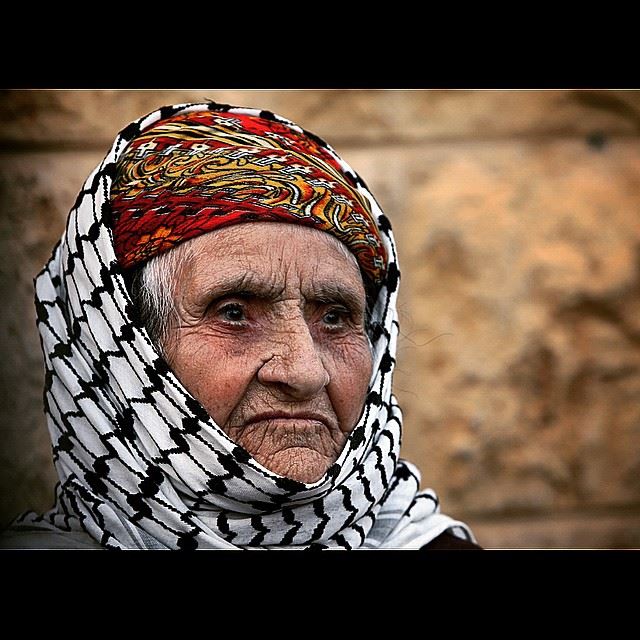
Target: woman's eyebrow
pixel 336 292
pixel 246 284
pixel 249 284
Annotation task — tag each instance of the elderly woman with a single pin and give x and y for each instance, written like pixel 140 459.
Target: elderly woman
pixel 219 327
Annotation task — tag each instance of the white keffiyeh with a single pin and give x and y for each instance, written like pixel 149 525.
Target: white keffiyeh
pixel 142 465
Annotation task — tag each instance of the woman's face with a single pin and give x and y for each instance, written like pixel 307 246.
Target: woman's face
pixel 271 340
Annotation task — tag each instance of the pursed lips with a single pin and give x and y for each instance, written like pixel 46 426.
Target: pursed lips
pixel 298 418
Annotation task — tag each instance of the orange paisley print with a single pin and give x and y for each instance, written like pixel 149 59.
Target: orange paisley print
pixel 196 172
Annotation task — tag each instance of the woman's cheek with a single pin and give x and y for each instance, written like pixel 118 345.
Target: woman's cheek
pixel 350 368
pixel 351 356
pixel 215 371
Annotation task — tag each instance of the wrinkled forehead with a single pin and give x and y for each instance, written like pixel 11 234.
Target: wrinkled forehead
pixel 277 257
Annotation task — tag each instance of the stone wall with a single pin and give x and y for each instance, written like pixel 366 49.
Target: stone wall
pixel 517 215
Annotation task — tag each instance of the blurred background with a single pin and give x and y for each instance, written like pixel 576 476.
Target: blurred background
pixel 517 216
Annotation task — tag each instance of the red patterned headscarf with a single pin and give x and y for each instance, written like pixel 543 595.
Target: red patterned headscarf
pixel 195 172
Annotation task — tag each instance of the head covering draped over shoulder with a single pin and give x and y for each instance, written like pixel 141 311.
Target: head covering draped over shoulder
pixel 141 464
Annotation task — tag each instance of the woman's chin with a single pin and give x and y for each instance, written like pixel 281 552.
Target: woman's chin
pixel 297 463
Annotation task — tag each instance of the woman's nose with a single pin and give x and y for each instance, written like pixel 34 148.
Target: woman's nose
pixel 294 364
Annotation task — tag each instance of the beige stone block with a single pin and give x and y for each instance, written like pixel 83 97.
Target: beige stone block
pixel 484 114
pixel 594 530
pixel 519 361
pixel 342 116
pixel 36 193
pixel 95 116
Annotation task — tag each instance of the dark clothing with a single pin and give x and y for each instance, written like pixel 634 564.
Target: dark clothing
pixel 448 542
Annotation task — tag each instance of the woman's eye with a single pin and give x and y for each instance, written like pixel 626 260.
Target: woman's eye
pixel 232 312
pixel 334 317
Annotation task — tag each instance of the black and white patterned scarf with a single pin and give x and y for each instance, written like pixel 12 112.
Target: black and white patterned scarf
pixel 142 465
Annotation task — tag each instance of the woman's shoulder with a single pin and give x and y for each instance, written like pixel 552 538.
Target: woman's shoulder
pixel 35 537
pixel 447 541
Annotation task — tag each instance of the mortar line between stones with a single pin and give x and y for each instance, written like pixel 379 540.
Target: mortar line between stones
pixel 578 513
